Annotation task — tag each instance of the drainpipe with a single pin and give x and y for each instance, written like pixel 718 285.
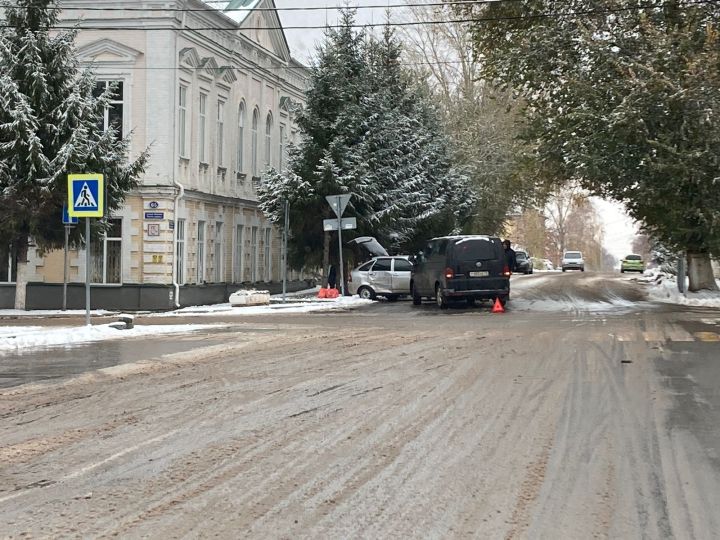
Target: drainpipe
pixel 176 285
pixel 181 189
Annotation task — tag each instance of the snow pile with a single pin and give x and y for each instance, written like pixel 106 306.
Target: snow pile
pixel 341 303
pixel 18 338
pixel 663 288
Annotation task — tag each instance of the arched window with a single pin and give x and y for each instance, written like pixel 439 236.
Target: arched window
pixel 254 157
pixel 241 137
pixel 268 140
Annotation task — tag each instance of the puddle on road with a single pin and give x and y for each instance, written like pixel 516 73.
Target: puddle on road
pixel 55 363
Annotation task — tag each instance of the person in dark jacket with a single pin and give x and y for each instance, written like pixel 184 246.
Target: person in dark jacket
pixel 332 277
pixel 510 258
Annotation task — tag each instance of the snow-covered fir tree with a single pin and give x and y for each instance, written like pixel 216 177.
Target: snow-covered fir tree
pixel 50 126
pixel 367 130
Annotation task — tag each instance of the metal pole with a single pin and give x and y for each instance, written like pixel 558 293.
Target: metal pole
pixel 342 277
pixel 87 271
pixel 285 250
pixel 65 258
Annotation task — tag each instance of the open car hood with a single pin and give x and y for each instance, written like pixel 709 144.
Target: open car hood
pixel 370 245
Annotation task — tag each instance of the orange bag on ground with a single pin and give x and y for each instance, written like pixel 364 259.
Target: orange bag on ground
pixel 332 293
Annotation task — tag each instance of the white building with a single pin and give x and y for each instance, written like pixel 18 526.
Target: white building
pixel 212 93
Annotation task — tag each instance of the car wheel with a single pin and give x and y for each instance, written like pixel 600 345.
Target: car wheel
pixel 440 299
pixel 416 298
pixel 563 269
pixel 366 293
pixel 622 271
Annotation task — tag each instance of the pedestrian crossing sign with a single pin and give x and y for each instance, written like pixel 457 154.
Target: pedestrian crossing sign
pixel 86 195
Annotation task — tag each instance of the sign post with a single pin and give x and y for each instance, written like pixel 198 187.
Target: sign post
pixel 86 199
pixel 338 203
pixel 69 222
pixel 285 251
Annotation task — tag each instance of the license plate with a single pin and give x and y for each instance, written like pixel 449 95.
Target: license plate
pixel 479 274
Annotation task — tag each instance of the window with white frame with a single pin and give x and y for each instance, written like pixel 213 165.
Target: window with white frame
pixel 113 114
pixel 221 133
pixel 281 155
pixel 202 129
pixel 106 254
pixel 238 254
pixel 182 121
pixel 268 262
pixel 254 149
pixel 241 138
pixel 219 249
pixel 268 140
pixel 180 251
pixel 200 262
pixel 8 264
pixel 253 254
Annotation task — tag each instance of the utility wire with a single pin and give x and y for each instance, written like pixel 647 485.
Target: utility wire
pixel 508 18
pixel 211 9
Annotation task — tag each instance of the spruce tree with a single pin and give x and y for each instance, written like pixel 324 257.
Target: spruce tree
pixel 51 125
pixel 368 130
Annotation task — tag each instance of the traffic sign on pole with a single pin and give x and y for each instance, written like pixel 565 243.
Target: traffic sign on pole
pixel 345 224
pixel 338 203
pixel 67 219
pixel 86 195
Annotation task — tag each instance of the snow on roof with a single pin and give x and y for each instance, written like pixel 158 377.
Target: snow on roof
pixel 237 10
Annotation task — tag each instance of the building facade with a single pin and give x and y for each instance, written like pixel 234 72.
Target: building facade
pixel 210 88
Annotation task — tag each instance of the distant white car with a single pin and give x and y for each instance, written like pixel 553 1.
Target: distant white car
pixel 573 260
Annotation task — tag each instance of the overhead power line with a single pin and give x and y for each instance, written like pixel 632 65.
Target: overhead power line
pixel 509 18
pixel 210 9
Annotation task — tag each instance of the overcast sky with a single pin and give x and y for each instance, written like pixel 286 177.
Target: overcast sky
pixel 302 42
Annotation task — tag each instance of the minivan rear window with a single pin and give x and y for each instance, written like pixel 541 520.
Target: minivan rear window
pixel 633 258
pixel 475 250
pixel 573 255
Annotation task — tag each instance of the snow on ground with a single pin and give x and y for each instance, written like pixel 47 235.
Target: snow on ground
pixel 28 337
pixel 311 305
pixel 663 288
pixel 52 312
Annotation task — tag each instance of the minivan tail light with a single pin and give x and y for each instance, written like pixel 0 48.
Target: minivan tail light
pixel 506 271
pixel 449 273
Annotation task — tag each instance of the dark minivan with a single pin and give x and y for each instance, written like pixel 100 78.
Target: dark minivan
pixel 461 267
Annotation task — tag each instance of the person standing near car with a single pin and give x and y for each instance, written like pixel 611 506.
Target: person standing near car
pixel 510 258
pixel 332 277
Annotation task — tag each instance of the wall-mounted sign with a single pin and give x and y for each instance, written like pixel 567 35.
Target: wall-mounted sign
pixel 153 204
pixel 154 215
pixel 157 259
pixel 153 229
pixel 171 223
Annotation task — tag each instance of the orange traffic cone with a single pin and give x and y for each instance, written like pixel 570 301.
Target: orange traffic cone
pixel 498 307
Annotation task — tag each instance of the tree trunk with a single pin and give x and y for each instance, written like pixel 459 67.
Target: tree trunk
pixel 326 259
pixel 21 274
pixel 700 272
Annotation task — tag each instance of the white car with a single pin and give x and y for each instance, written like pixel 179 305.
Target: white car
pixel 573 260
pixel 383 276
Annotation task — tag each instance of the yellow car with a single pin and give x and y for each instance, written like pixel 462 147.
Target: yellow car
pixel 632 263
